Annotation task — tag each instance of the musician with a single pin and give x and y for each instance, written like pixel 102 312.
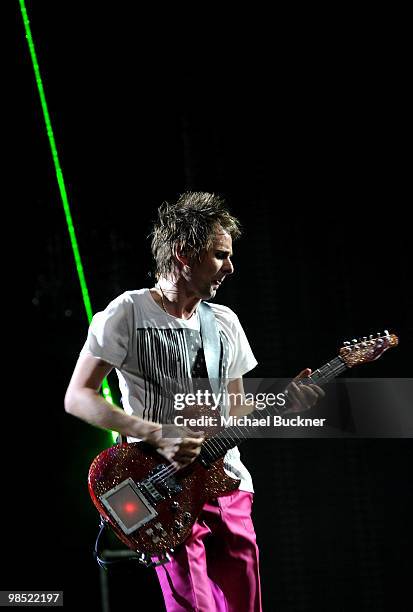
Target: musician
pixel 153 334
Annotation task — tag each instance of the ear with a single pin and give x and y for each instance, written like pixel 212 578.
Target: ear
pixel 181 257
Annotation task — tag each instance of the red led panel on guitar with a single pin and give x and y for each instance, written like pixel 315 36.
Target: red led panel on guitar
pixel 126 504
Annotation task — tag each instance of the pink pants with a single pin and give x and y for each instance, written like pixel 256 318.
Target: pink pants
pixel 216 568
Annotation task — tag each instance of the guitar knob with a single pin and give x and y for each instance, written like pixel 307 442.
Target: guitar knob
pixel 187 516
pixel 174 506
pixel 177 525
pixel 144 559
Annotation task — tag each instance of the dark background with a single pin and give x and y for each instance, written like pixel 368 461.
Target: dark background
pixel 303 130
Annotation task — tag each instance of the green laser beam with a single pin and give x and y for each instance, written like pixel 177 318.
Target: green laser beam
pixel 62 188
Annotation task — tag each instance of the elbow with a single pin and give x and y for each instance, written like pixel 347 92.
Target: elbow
pixel 67 404
pixel 79 402
pixel 70 402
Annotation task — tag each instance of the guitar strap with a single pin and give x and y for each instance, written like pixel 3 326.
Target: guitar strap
pixel 211 343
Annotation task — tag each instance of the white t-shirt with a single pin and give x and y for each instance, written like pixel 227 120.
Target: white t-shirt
pixel 150 348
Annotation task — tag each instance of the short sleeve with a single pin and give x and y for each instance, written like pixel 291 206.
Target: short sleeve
pixel 243 358
pixel 109 332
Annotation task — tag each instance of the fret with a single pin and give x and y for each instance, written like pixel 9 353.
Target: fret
pixel 349 356
pixel 216 447
pixel 328 371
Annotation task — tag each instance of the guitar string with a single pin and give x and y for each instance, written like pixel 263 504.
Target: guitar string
pixel 323 373
pixel 214 446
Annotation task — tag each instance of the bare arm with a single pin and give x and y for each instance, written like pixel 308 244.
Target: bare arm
pixel 82 400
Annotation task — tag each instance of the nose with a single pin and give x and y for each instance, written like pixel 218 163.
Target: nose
pixel 228 267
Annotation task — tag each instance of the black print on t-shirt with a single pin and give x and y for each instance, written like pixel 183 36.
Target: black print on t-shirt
pixel 165 356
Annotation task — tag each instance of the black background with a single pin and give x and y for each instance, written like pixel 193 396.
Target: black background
pixel 304 131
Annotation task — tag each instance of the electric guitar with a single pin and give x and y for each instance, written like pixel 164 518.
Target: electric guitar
pixel 151 505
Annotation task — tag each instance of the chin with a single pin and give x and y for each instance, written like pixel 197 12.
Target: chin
pixel 209 294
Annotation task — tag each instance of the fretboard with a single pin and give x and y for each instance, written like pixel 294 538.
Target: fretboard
pixel 216 446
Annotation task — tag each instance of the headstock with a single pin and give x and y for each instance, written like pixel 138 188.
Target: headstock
pixel 367 349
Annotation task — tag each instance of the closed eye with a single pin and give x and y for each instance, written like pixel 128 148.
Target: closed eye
pixel 222 254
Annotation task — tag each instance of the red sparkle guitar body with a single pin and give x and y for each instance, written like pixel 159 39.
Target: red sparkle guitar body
pixel 176 513
pixel 151 506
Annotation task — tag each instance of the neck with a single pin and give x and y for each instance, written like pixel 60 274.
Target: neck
pixel 176 297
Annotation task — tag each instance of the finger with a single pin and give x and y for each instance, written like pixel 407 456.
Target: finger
pixel 293 391
pixel 303 374
pixel 296 398
pixel 172 432
pixel 186 432
pixel 190 449
pixel 309 395
pixel 168 452
pixel 308 392
pixel 192 442
pixel 187 453
pixel 318 390
pixel 195 434
pixel 185 457
pixel 303 395
pixel 168 441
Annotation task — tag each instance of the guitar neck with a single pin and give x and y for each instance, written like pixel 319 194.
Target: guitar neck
pixel 328 371
pixel 216 446
pixel 361 351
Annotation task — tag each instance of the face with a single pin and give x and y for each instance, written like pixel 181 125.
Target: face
pixel 208 274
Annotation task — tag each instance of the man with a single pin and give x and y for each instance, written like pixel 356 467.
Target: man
pixel 153 335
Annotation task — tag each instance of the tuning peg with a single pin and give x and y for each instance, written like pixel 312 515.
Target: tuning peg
pixel 378 334
pixel 371 337
pixel 364 338
pixel 346 343
pixel 386 332
pixel 354 340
